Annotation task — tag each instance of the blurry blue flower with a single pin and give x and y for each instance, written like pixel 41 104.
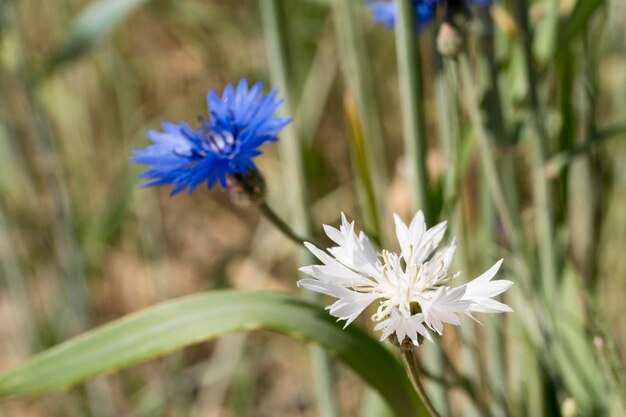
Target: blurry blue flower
pixel 385 12
pixel 481 3
pixel 240 120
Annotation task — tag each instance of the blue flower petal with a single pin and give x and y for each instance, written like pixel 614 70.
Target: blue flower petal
pixel 385 12
pixel 240 120
pixel 481 3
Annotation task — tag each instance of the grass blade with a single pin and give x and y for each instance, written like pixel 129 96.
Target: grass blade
pixel 93 24
pixel 175 324
pixel 410 80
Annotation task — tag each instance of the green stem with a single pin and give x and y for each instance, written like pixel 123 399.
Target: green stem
pixel 411 93
pixel 365 121
pixel 63 224
pixel 410 361
pixel 448 128
pixel 461 381
pixel 17 289
pixel 557 162
pixel 501 138
pixel 361 167
pixel 544 226
pixel 293 161
pixel 281 225
pixel 510 222
pixel 290 147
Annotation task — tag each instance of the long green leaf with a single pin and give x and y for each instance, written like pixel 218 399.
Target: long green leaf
pixel 93 24
pixel 412 106
pixel 578 20
pixel 175 324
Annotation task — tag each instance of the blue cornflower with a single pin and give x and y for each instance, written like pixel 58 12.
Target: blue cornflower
pixel 385 12
pixel 240 120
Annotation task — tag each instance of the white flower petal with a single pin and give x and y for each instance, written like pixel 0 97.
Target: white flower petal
pixel 356 276
pixel 403 326
pixel 334 234
pixel 490 273
pixel 332 269
pixel 336 276
pixel 367 249
pixel 351 305
pixel 480 291
pixel 353 251
pixel 410 237
pixel 488 305
pixel 436 269
pixel 429 242
pixel 442 306
pixel 402 233
pixel 320 287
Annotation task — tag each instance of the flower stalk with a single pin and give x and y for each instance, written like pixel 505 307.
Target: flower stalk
pixel 292 155
pixel 280 224
pixel 410 360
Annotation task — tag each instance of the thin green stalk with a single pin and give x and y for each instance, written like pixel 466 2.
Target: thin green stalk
pixel 456 380
pixel 509 221
pixel 506 166
pixel 549 40
pixel 280 224
pixel 494 369
pixel 365 186
pixel 411 93
pixel 70 255
pixel 448 130
pixel 410 361
pixel 318 84
pixel 493 106
pixel 292 157
pixel 544 226
pixel 589 252
pixel 556 163
pixel 355 66
pixel 17 290
pixel 64 229
pixel 63 225
pixel 290 146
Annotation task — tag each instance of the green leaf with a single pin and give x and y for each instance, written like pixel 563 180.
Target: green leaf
pixel 175 324
pixel 578 20
pixel 93 24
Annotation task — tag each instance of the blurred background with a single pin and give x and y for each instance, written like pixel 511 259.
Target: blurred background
pixel 81 244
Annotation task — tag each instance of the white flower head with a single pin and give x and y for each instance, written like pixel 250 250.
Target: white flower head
pixel 411 288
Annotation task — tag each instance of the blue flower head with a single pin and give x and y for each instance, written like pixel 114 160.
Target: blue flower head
pixel 240 120
pixel 385 12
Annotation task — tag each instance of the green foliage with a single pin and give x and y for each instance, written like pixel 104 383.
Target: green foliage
pixel 92 25
pixel 176 324
pixel 80 243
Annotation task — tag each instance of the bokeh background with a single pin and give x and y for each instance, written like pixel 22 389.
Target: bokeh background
pixel 81 244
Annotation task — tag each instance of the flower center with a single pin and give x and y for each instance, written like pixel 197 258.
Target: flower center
pixel 216 140
pixel 404 286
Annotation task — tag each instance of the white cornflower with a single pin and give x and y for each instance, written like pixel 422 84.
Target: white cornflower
pixel 411 288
